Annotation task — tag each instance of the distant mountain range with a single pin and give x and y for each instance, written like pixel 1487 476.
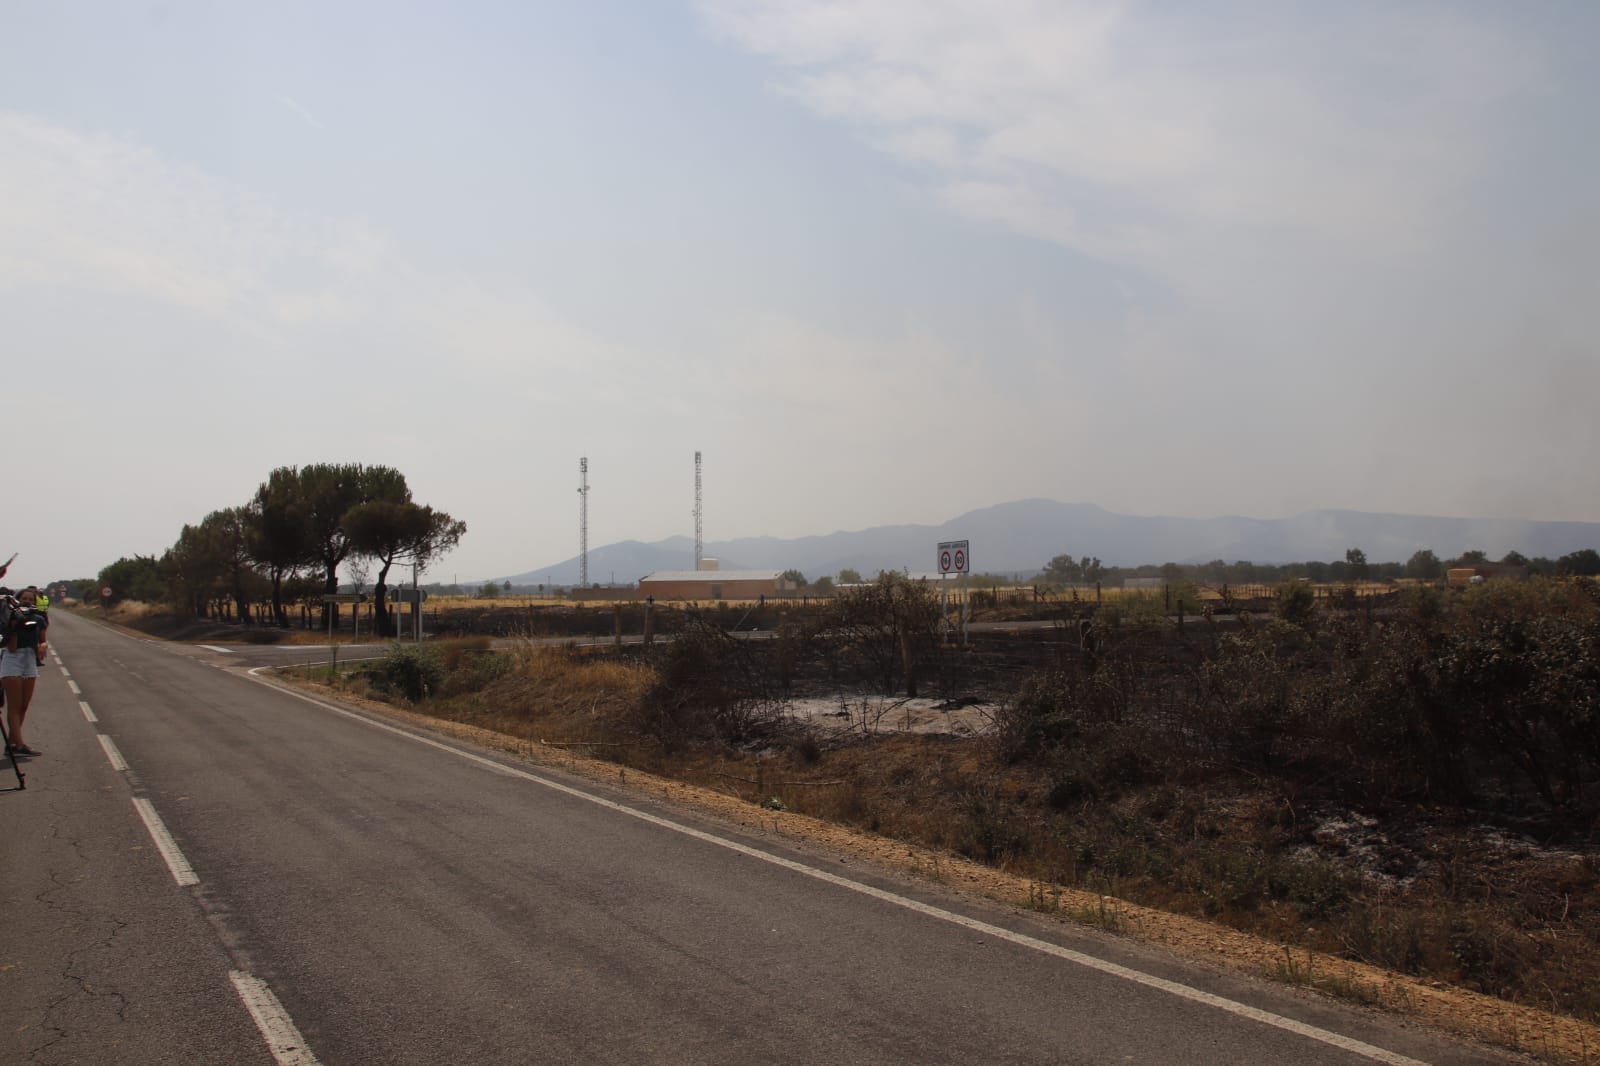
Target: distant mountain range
pixel 1023 536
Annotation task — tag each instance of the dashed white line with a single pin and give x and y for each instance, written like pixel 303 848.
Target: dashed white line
pixel 283 1039
pixel 64 672
pixel 87 713
pixel 73 685
pixel 1183 991
pixel 118 763
pixel 182 872
pixel 213 647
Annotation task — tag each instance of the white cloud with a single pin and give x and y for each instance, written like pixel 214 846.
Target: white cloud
pixel 294 105
pixel 98 213
pixel 95 211
pixel 1156 118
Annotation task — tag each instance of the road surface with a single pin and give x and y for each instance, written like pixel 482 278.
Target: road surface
pixel 207 869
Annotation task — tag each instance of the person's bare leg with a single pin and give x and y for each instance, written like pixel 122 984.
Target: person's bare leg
pixel 13 687
pixel 19 693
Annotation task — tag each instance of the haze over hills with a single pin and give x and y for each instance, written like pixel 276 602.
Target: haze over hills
pixel 1022 536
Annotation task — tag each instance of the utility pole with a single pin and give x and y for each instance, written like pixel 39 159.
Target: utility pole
pixel 583 522
pixel 699 544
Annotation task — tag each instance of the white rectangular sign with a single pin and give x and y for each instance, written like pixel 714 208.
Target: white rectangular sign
pixel 954 557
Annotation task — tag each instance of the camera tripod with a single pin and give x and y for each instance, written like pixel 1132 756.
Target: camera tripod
pixel 22 779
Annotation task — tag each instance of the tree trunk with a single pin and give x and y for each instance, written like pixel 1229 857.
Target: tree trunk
pixel 280 616
pixel 383 617
pixel 908 660
pixel 330 586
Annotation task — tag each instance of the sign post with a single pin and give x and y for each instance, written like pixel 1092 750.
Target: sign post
pixel 333 649
pixel 415 597
pixel 955 556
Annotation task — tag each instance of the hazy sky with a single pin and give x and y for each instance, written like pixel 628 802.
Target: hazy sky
pixel 880 262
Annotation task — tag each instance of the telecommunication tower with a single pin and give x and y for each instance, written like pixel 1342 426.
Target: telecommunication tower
pixel 699 545
pixel 583 522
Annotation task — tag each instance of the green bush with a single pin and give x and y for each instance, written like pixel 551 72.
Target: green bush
pixel 410 672
pixel 1045 716
pixel 1296 602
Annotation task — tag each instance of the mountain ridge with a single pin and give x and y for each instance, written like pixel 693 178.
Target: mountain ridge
pixel 1021 536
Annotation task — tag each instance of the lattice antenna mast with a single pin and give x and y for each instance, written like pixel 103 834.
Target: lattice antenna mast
pixel 699 544
pixel 583 522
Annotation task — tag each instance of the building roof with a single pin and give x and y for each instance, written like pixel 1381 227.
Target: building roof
pixel 713 576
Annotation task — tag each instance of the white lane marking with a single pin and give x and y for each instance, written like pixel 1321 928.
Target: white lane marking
pixel 213 647
pixel 117 761
pixel 1113 969
pixel 64 672
pixel 182 872
pixel 87 713
pixel 73 685
pixel 283 1039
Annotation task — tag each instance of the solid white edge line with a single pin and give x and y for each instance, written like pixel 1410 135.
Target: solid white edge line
pixel 73 685
pixel 87 713
pixel 182 872
pixel 117 761
pixel 1243 1010
pixel 283 1039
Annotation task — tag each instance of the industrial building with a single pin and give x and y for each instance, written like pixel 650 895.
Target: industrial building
pixel 715 584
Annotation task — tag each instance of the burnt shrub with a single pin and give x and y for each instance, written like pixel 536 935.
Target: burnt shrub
pixel 711 686
pixel 1047 715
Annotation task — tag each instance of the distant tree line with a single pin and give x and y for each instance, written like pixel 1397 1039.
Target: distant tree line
pixel 1423 565
pixel 1066 569
pixel 289 541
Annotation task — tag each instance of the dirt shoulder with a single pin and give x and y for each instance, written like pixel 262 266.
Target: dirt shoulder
pixel 1547 1036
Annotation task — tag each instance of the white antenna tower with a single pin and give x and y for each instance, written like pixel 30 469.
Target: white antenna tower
pixel 699 545
pixel 583 522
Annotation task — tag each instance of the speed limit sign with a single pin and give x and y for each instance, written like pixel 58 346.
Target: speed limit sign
pixel 954 557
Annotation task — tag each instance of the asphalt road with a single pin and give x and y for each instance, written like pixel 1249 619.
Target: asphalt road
pixel 339 889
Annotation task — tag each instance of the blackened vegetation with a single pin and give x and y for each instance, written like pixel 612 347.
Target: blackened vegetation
pixel 1488 699
pixel 717 684
pixel 711 686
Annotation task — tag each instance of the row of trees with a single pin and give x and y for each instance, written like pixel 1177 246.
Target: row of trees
pixel 1066 569
pixel 1423 564
pixel 301 525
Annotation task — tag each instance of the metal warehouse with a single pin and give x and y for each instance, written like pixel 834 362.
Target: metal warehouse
pixel 714 584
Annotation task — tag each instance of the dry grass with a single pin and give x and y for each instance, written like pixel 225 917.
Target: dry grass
pixel 554 696
pixel 129 612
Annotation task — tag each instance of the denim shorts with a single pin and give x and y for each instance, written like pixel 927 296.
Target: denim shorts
pixel 24 662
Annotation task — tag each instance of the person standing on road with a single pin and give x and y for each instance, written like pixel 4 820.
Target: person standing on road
pixel 20 659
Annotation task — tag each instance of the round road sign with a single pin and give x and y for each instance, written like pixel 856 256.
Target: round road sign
pixel 961 561
pixel 944 562
pixel 105 592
